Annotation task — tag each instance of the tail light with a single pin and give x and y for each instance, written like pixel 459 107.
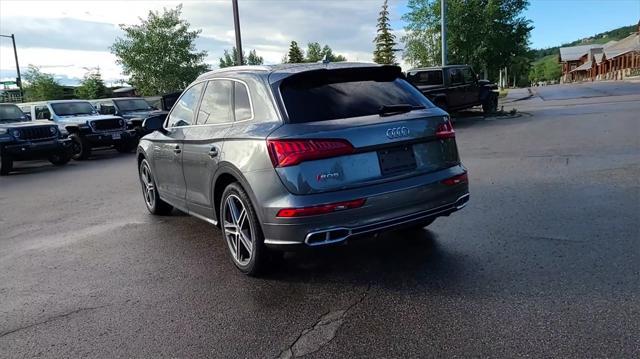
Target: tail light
pixel 452 181
pixel 292 152
pixel 322 209
pixel 445 130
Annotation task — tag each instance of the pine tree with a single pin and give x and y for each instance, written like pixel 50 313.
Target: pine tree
pixel 254 59
pixel 229 58
pixel 295 53
pixel 385 39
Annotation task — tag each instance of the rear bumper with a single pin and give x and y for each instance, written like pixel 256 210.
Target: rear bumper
pixel 37 150
pixel 388 206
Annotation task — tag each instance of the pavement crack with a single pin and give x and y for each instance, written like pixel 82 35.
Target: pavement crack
pixel 56 317
pixel 322 332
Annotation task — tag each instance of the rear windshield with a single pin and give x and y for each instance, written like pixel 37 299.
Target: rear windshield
pixel 329 97
pixel 433 77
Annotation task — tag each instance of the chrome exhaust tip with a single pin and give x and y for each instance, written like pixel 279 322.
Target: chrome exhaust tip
pixel 462 202
pixel 328 236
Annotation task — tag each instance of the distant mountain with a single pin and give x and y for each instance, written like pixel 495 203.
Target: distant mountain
pixel 601 38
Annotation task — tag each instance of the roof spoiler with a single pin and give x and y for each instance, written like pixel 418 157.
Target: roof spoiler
pixel 327 75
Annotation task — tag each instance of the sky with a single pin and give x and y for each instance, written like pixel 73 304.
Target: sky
pixel 66 38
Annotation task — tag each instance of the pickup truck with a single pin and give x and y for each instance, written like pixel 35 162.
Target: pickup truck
pixel 455 87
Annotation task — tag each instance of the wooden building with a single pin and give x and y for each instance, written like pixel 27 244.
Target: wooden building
pixel 615 60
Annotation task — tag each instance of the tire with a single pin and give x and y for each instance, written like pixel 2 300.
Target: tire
pixel 81 148
pixel 490 105
pixel 241 230
pixel 125 147
pixel 6 165
pixel 155 205
pixel 60 159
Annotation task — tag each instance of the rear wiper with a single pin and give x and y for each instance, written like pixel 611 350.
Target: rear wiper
pixel 387 110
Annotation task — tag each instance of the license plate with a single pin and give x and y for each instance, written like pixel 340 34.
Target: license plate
pixel 115 136
pixel 397 160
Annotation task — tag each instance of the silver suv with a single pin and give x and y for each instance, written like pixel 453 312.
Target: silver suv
pixel 289 156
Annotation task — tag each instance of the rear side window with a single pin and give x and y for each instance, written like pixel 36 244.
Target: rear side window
pixel 242 104
pixel 216 103
pixel 425 77
pixel 183 111
pixel 335 98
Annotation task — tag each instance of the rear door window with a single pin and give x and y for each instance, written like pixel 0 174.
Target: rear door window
pixel 183 111
pixel 330 97
pixel 216 103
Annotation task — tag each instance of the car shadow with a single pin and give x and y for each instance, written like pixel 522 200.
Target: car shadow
pixel 22 168
pixel 391 260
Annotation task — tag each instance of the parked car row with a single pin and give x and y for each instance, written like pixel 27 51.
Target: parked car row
pixel 64 129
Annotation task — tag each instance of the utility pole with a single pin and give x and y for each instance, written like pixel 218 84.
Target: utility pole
pixel 443 30
pixel 15 54
pixel 236 24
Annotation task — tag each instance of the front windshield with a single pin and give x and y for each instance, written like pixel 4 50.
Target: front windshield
pixel 73 108
pixel 136 104
pixel 11 113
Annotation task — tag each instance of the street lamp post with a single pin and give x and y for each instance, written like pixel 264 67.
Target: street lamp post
pixel 236 25
pixel 443 30
pixel 15 54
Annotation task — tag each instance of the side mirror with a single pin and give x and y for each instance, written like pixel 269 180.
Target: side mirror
pixel 154 123
pixel 27 116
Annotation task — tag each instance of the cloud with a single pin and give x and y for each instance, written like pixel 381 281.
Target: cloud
pixel 63 33
pixel 70 35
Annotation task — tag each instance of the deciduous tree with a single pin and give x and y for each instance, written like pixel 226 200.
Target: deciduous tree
pixel 487 34
pixel 159 55
pixel 40 86
pixel 92 86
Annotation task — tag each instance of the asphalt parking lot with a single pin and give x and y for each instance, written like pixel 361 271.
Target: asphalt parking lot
pixel 543 262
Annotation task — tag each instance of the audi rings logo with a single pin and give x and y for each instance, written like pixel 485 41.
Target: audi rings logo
pixel 398 132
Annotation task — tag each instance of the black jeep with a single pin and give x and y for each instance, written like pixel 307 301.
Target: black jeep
pixel 86 128
pixel 22 139
pixel 455 87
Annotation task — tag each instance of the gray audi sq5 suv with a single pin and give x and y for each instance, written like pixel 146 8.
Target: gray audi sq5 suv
pixel 302 155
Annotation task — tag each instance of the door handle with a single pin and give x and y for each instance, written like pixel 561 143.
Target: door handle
pixel 213 152
pixel 177 149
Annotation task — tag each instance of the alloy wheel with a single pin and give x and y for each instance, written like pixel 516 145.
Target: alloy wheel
pixel 148 186
pixel 238 230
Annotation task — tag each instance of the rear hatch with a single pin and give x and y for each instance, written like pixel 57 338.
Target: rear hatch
pixel 354 127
